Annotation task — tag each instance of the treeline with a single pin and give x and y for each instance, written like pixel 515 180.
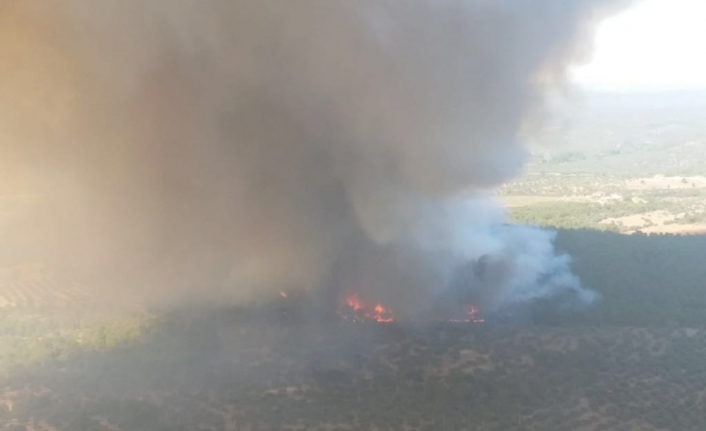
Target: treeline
pixel 589 215
pixel 581 215
pixel 572 215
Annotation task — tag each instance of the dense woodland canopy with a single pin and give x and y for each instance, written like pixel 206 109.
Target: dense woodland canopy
pixel 645 280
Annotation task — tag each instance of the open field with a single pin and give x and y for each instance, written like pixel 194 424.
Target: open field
pixel 656 204
pixel 516 201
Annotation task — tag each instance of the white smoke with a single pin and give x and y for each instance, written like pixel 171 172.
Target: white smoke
pixel 219 147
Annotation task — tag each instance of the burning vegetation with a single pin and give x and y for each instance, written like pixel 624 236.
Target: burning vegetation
pixel 356 310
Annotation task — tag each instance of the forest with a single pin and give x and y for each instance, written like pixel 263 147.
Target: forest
pixel 192 191
pixel 632 361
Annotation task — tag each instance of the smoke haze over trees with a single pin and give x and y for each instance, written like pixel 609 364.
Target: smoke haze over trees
pixel 234 149
pixel 230 163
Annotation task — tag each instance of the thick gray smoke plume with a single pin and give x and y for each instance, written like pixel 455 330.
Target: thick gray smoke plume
pixel 234 149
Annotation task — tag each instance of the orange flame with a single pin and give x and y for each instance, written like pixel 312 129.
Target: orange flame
pixel 473 315
pixel 365 312
pixel 356 310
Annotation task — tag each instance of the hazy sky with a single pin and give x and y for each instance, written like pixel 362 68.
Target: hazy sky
pixel 657 44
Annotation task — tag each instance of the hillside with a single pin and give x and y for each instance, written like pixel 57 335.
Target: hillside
pixel 619 162
pixel 631 134
pixel 214 376
pixel 632 362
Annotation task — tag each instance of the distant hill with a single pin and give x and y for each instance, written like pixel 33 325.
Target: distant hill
pixel 628 134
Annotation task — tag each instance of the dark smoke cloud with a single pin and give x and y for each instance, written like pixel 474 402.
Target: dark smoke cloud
pixel 232 149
